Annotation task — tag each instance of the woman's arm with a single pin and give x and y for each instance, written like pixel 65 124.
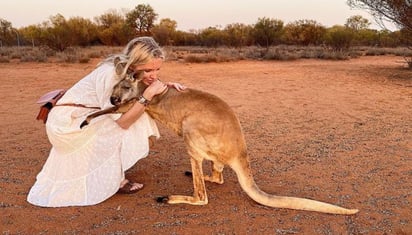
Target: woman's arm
pixel 134 113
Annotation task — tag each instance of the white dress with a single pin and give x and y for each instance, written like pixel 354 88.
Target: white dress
pixel 85 166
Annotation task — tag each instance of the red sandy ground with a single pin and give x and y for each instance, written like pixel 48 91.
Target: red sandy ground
pixel 335 131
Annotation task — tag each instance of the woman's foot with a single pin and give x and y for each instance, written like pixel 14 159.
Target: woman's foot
pixel 127 187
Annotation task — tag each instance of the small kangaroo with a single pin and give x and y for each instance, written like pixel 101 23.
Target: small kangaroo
pixel 211 131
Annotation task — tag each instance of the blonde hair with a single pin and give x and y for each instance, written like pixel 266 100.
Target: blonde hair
pixel 149 42
pixel 139 55
pixel 138 51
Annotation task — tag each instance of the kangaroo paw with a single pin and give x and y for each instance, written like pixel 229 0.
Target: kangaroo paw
pixel 84 123
pixel 163 199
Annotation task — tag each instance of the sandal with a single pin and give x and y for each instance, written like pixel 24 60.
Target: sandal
pixel 127 188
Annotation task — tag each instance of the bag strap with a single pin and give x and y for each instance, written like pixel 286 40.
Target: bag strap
pixel 77 105
pixel 51 102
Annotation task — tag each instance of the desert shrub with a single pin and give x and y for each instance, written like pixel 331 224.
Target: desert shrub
pixel 408 61
pixel 41 58
pixel 16 55
pixel 72 55
pixel 355 53
pixel 194 59
pixel 64 57
pixel 94 54
pixel 209 58
pixel 312 53
pixel 34 55
pixel 375 51
pixel 203 55
pixel 99 51
pixel 402 51
pixel 48 51
pixel 4 51
pixel 231 54
pixel 198 54
pixel 4 59
pixel 280 54
pixel 334 55
pixel 253 53
pixel 11 52
pixel 105 51
pixel 171 56
pixel 84 59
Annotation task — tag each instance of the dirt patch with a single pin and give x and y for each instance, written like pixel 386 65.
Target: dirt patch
pixel 335 131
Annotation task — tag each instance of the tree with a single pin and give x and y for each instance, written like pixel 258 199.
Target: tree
pixel 6 32
pixel 186 38
pixel 113 29
pixel 109 18
pixel 304 32
pixel 357 23
pixel 142 19
pixel 267 31
pixel 164 32
pixel 238 34
pixel 362 35
pixel 83 31
pixel 339 37
pixel 56 33
pixel 389 39
pixel 396 11
pixel 32 34
pixel 211 37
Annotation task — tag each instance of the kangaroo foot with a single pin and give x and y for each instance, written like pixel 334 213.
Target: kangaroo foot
pixel 162 199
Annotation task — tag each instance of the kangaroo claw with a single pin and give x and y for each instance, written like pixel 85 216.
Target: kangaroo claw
pixel 84 123
pixel 163 199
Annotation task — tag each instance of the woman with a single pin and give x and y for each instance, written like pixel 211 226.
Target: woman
pixel 86 166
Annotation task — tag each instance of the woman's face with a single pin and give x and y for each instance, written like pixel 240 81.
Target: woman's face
pixel 150 70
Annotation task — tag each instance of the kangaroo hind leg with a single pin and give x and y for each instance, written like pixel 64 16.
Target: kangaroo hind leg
pixel 199 192
pixel 217 173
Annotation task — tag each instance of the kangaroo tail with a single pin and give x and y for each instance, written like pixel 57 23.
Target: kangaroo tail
pixel 248 184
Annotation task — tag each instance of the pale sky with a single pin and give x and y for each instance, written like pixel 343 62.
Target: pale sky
pixel 189 14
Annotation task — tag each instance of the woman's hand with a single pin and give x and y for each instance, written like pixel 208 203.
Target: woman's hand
pixel 176 85
pixel 153 89
pixel 128 118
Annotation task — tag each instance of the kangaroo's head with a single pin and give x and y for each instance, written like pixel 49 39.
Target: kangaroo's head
pixel 129 85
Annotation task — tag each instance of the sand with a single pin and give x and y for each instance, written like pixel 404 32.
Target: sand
pixel 335 131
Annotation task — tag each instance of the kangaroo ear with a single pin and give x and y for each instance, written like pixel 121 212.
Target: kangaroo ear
pixel 119 64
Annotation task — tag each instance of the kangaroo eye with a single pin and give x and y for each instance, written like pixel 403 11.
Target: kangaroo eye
pixel 126 87
pixel 131 77
pixel 137 75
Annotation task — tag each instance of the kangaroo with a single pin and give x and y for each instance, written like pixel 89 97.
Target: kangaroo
pixel 211 131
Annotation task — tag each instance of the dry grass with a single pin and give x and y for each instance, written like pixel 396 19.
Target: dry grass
pixel 201 54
